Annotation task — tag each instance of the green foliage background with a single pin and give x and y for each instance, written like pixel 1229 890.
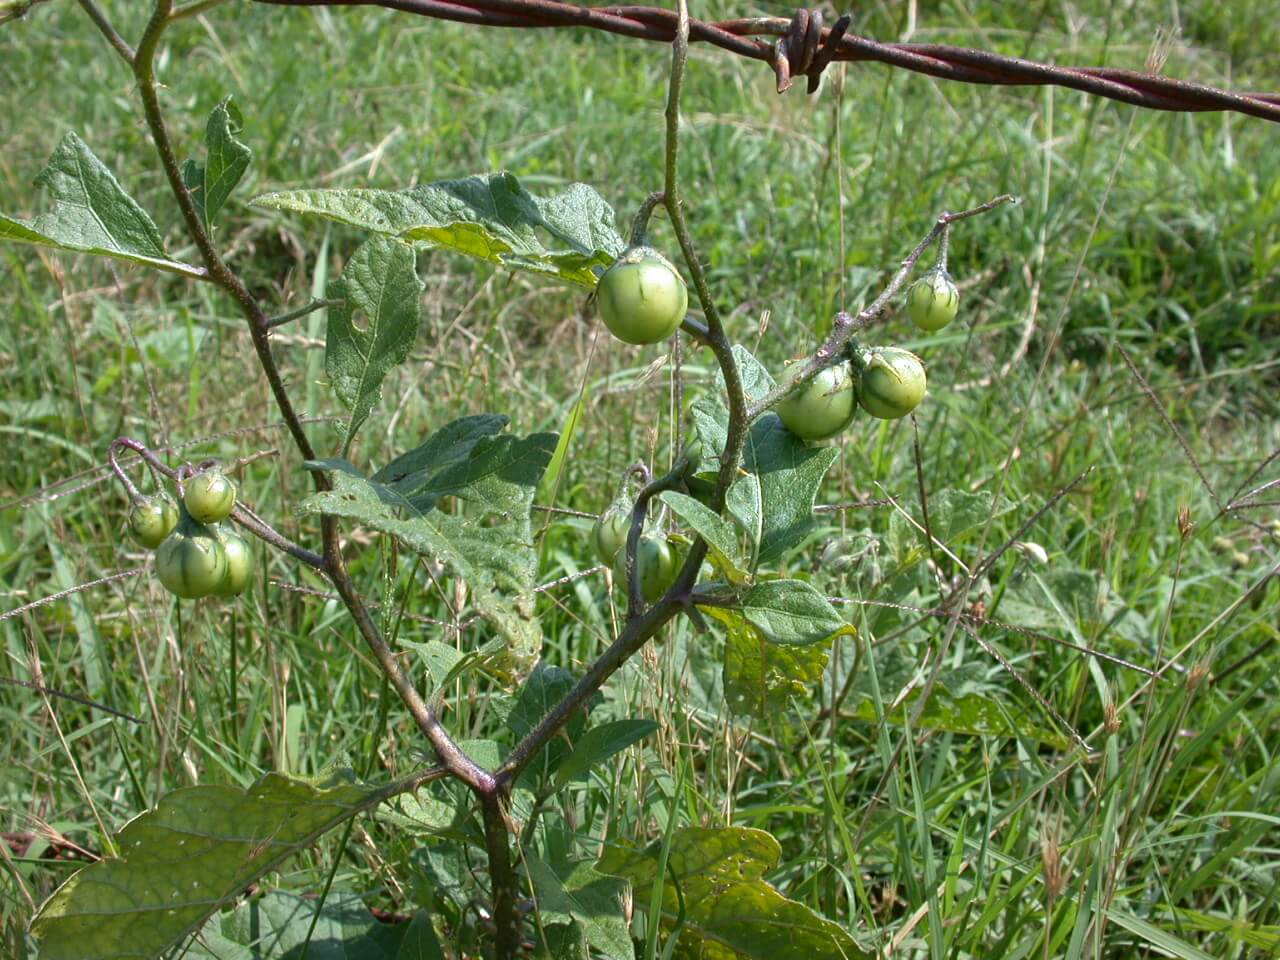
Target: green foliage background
pixel 1159 233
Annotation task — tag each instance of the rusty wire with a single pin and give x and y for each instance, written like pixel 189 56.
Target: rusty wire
pixel 805 47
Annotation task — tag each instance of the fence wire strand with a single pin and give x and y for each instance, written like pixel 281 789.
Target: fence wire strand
pixel 803 46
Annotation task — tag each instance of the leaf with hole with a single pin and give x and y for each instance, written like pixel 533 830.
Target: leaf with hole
pixel 715 884
pixel 374 327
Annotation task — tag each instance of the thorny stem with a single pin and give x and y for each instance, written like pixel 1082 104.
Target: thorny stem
pixel 134 493
pixel 332 563
pixel 104 24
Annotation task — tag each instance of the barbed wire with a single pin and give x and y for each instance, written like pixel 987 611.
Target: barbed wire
pixel 805 47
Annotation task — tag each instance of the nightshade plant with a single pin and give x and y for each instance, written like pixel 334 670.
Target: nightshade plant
pixel 753 484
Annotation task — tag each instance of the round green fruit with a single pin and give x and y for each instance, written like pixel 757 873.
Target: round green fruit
pixel 191 562
pixel 933 300
pixel 609 534
pixel 823 407
pixel 892 383
pixel 656 567
pixel 239 563
pixel 151 519
pixel 209 497
pixel 641 297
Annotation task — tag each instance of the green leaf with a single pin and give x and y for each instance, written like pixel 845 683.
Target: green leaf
pixel 380 284
pixel 789 473
pixel 193 853
pixel 546 686
pixel 745 504
pixel 1159 938
pixel 600 743
pixel 490 217
pixel 228 159
pixel 451 444
pixel 963 711
pixel 720 536
pixel 488 543
pixel 91 213
pixel 760 678
pixel 592 899
pixel 789 612
pixel 730 911
pixel 276 926
pixel 952 514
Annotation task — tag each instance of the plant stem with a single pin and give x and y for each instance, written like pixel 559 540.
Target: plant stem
pixel 333 564
pixel 640 225
pixel 502 876
pixel 103 23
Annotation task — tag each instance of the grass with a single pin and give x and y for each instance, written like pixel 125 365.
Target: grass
pixel 1152 234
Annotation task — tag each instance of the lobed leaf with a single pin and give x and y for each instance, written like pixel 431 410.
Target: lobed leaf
pixel 760 678
pixel 91 213
pixel 490 217
pixel 488 544
pixel 227 160
pixel 197 850
pixel 730 911
pixel 591 900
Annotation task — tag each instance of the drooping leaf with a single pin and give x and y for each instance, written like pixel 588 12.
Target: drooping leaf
pixel 721 539
pixel 488 543
pixel 591 899
pixel 760 678
pixel 491 217
pixel 91 213
pixel 379 285
pixel 275 927
pixel 197 850
pixel 730 911
pixel 227 159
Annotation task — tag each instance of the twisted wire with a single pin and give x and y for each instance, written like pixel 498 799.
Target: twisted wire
pixel 805 47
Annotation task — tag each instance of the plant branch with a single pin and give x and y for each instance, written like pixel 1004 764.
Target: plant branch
pixel 502 876
pixel 635 634
pixel 334 566
pixel 219 272
pixel 844 325
pixel 302 311
pixel 103 23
